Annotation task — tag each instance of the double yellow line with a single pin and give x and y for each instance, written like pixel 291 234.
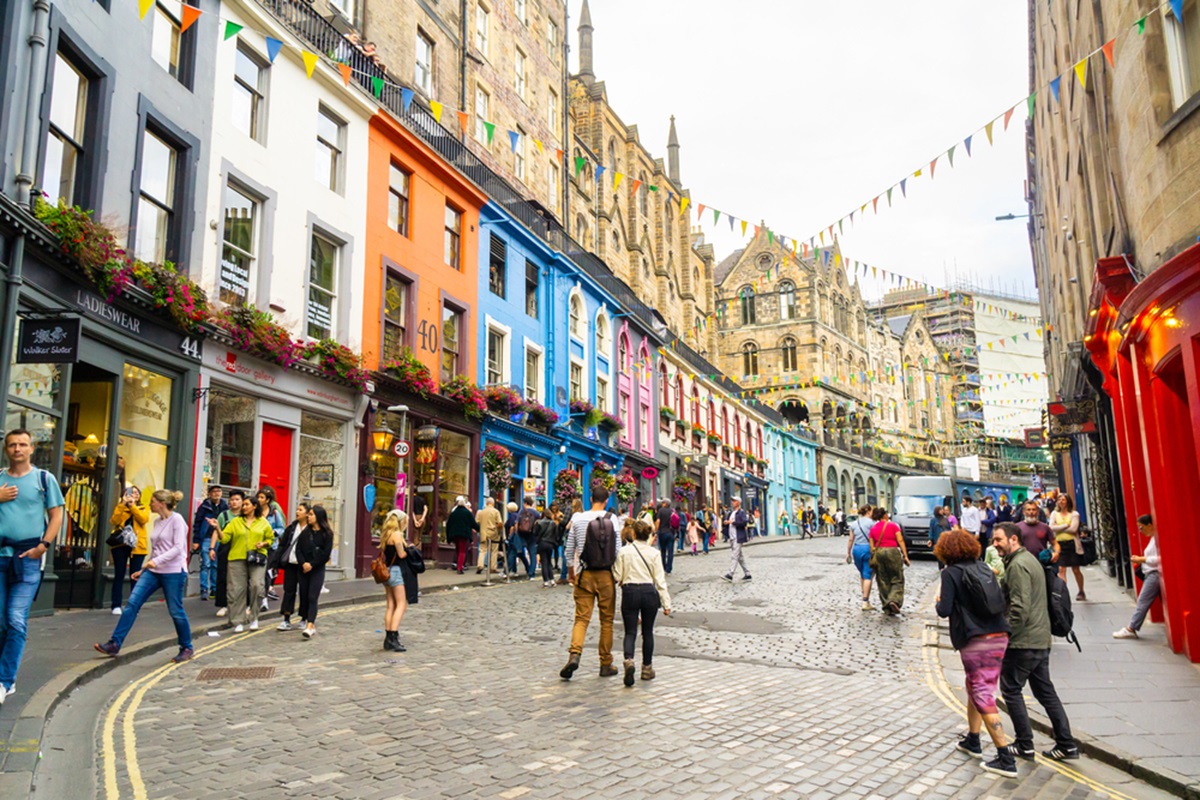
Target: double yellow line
pixel 137 690
pixel 935 679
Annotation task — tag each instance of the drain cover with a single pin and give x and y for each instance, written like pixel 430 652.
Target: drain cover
pixel 235 673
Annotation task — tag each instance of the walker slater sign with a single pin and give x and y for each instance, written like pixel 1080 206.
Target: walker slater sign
pixel 48 341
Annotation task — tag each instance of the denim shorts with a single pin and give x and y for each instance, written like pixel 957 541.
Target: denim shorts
pixel 862 560
pixel 395 576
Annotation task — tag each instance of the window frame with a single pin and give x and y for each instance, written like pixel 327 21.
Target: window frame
pixel 497 265
pixel 538 394
pixel 483 115
pixel 519 157
pixel 426 85
pixel 314 233
pixel 453 236
pixel 412 281
pixel 338 149
pixel 787 301
pixel 503 334
pixel 87 173
pixel 463 312
pixel 575 388
pixel 747 296
pixel 1178 57
pixel 184 144
pixel 552 179
pixel 483 33
pixel 520 73
pixel 521 11
pixel 533 289
pixel 233 184
pixel 750 351
pixel 577 316
pixel 399 221
pixel 258 94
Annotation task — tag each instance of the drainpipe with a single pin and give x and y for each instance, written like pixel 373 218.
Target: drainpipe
pixel 462 57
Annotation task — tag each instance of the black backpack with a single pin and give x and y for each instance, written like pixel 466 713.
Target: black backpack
pixel 600 543
pixel 526 520
pixel 1058 599
pixel 983 593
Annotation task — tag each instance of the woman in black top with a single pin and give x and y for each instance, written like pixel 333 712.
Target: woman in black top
pixel 459 528
pixel 290 565
pixel 981 639
pixel 313 548
pixel 545 533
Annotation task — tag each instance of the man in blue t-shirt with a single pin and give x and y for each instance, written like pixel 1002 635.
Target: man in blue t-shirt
pixel 31 513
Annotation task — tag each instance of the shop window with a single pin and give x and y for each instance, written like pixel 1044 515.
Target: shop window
pixel 322 450
pixel 155 225
pixel 533 375
pixel 398 188
pixel 145 426
pixel 322 287
pixel 454 452
pixel 43 429
pixel 453 239
pixel 533 277
pixel 229 441
pixel 395 316
pixel 331 141
pixel 577 381
pixel 66 154
pixel 497 355
pixel 497 265
pixel 451 331
pixel 239 247
pixel 249 93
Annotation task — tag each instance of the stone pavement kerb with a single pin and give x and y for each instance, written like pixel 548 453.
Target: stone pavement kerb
pixel 1132 704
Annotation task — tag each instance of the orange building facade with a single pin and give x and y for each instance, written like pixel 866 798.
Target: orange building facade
pixel 419 325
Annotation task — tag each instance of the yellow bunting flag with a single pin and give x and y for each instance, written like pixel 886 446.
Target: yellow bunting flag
pixel 617 178
pixel 743 227
pixel 436 108
pixel 310 62
pixel 347 72
pixel 187 16
pixel 988 130
pixel 683 204
pixel 538 145
pixel 1081 72
pixel 144 7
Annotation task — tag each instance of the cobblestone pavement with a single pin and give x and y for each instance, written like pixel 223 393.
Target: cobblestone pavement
pixel 779 687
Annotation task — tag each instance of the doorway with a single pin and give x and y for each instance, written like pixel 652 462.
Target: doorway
pixel 275 464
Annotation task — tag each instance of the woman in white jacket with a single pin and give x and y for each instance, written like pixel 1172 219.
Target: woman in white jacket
pixel 1151 576
pixel 639 571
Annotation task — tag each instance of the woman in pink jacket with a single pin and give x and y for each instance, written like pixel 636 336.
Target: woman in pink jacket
pixel 166 568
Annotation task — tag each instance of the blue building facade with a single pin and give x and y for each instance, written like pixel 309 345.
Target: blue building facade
pixel 792 476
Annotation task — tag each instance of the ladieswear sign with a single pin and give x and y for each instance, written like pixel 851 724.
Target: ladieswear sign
pixel 48 341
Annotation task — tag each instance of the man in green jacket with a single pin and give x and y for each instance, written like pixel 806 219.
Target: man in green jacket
pixel 1028 657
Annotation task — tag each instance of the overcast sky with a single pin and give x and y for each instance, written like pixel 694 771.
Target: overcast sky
pixel 796 113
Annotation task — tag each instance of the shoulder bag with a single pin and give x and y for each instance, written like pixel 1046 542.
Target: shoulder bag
pixel 648 569
pixel 380 570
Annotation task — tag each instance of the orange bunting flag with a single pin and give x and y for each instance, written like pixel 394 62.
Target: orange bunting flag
pixel 347 72
pixel 1008 115
pixel 1107 49
pixel 932 167
pixel 309 59
pixel 988 130
pixel 558 154
pixel 636 184
pixel 188 15
pixel 699 211
pixel 1081 72
pixel 464 120
pixel 875 204
pixel 144 7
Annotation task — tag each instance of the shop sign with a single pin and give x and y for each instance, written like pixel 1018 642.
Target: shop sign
pixel 650 473
pixel 1035 437
pixel 1060 444
pixel 48 341
pixel 1036 484
pixel 1070 418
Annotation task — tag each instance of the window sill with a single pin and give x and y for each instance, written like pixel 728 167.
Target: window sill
pixel 1181 114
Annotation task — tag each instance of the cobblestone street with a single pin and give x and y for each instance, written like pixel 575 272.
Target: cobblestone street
pixel 777 687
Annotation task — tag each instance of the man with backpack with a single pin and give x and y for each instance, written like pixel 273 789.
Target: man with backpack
pixel 1028 657
pixel 526 539
pixel 592 547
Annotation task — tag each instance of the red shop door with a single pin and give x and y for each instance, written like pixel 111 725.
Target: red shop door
pixel 275 467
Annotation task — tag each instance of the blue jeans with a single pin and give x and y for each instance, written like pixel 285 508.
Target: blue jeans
pixel 208 572
pixel 172 586
pixel 562 562
pixel 666 548
pixel 19 581
pixel 515 549
pixel 122 558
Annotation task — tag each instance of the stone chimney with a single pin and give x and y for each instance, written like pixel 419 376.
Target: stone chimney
pixel 673 155
pixel 585 42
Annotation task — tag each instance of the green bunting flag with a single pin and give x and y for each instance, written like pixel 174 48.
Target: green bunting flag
pixel 1032 98
pixel 580 163
pixel 377 85
pixel 1141 26
pixel 231 30
pixel 490 127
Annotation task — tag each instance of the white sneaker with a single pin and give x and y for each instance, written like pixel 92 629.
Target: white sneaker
pixel 265 606
pixel 1125 633
pixel 222 611
pixel 310 632
pixel 284 626
pixel 239 628
pixel 10 690
pixel 116 612
pixel 254 625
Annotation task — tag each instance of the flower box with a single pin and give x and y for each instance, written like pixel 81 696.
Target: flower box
pixel 540 416
pixel 504 401
pixel 463 391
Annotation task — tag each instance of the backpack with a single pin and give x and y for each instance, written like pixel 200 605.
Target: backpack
pixel 675 520
pixel 526 520
pixel 983 593
pixel 1058 599
pixel 600 543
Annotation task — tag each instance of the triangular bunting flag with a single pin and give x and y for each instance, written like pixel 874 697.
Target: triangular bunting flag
pixel 903 189
pixel 464 119
pixel 377 86
pixel 231 30
pixel 636 185
pixel 716 216
pixel 967 144
pixel 514 138
pixel 490 127
pixel 617 178
pixel 436 108
pixel 558 153
pixel 889 193
pixel 1054 88
pixel 699 211
pixel 652 188
pixel 1081 71
pixel 950 154
pixel 309 59
pixel 273 48
pixel 406 98
pixel 932 167
pixel 347 73
pixel 875 204
pixel 683 204
pixel 1141 26
pixel 580 163
pixel 599 171
pixel 743 227
pixel 1177 9
pixel 1008 115
pixel 988 130
pixel 144 7
pixel 538 145
pixel 188 15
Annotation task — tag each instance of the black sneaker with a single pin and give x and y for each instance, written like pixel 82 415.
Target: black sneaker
pixel 1016 751
pixel 203 597
pixel 1060 753
pixel 572 664
pixel 727 578
pixel 970 745
pixel 745 577
pixel 1003 764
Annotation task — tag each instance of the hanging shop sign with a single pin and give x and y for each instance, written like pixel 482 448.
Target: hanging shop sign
pixel 1070 418
pixel 650 473
pixel 48 341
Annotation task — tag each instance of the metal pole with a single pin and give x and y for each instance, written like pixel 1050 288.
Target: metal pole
pixel 8 328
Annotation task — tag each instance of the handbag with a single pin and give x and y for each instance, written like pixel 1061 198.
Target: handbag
pixel 416 562
pixel 1139 573
pixel 380 570
pixel 647 563
pixel 125 537
pixel 255 558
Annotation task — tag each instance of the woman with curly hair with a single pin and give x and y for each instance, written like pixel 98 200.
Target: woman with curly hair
pixel 980 637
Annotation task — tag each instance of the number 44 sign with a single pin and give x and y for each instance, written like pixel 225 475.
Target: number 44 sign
pixel 400 448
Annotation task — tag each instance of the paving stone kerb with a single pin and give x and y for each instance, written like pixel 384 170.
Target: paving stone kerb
pixel 1108 609
pixel 476 709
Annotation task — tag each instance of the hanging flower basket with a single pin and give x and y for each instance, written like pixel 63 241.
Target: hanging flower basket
pixel 463 391
pixel 625 489
pixel 666 412
pixel 684 488
pixel 336 362
pixel 497 463
pixel 567 487
pixel 610 422
pixel 714 437
pixel 503 400
pixel 540 416
pixel 698 431
pixel 602 475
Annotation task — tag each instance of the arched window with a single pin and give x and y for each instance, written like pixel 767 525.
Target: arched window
pixel 758 435
pixel 788 348
pixel 787 300
pixel 696 405
pixel 737 429
pixel 645 190
pixel 581 227
pixel 612 156
pixel 749 437
pixel 577 319
pixel 603 343
pixel 616 241
pixel 623 352
pixel 747 296
pixel 665 383
pixel 669 218
pixel 725 424
pixel 679 396
pixel 749 358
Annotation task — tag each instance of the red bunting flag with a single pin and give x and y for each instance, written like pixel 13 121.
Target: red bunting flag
pixel 875 204
pixel 699 211
pixel 188 15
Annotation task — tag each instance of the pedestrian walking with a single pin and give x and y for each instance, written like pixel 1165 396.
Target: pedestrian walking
pixel 546 534
pixel 1036 534
pixel 490 525
pixel 839 523
pixel 979 632
pixel 1028 657
pixel 202 530
pixel 890 555
pixel 289 563
pixel 131 514
pixel 218 551
pixel 31 515
pixel 592 549
pixel 938 525
pixel 1064 524
pixel 460 528
pixel 249 537
pixel 527 519
pixel 971 521
pixel 681 529
pixel 643 580
pixel 393 546
pixel 166 569
pixel 1149 572
pixel 513 548
pixel 735 530
pixel 273 513
pixel 695 531
pixel 858 552
pixel 987 521
pixel 948 513
pixel 1004 510
pixel 666 520
pixel 314 545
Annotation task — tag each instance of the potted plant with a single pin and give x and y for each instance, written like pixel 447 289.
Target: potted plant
pixel 540 416
pixel 463 391
pixel 411 373
pixel 589 416
pixel 336 362
pixel 698 431
pixel 497 464
pixel 666 412
pixel 567 487
pixel 611 422
pixel 503 401
pixel 625 489
pixel 714 438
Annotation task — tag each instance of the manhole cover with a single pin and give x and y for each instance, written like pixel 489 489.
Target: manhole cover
pixel 235 673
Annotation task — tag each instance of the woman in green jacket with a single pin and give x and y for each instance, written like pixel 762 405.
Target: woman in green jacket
pixel 249 537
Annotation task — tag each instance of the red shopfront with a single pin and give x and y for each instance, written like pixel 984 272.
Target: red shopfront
pixel 1145 338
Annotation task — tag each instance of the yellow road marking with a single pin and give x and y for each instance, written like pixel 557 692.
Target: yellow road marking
pixel 935 678
pixel 138 689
